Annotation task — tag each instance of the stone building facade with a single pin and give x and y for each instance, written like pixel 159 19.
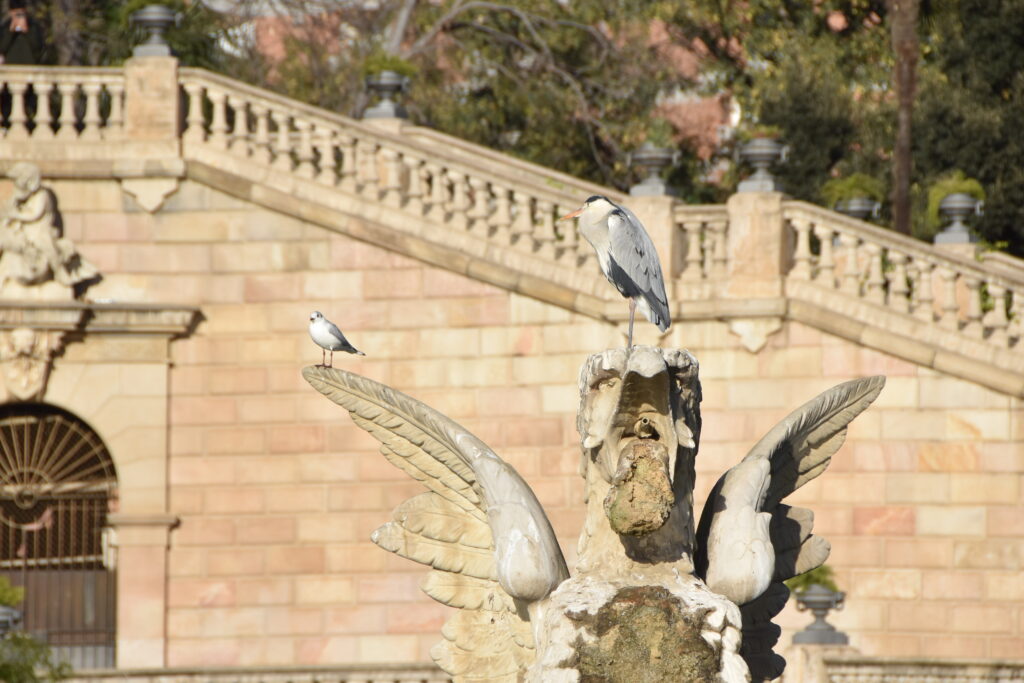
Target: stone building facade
pixel 246 500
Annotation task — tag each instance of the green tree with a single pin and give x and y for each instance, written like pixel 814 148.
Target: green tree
pixel 24 659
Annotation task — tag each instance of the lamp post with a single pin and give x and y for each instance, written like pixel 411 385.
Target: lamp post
pixel 819 600
pixel 156 19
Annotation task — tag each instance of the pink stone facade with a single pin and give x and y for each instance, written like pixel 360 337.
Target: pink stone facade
pixel 277 490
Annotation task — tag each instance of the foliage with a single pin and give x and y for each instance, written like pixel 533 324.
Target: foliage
pixel 852 186
pixel 823 576
pixel 24 659
pixel 381 61
pixel 951 183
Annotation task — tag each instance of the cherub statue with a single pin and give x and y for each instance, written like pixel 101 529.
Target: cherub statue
pixel 32 248
pixel 652 599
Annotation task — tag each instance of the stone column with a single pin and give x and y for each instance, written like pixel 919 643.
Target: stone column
pixel 152 115
pixel 142 542
pixel 758 246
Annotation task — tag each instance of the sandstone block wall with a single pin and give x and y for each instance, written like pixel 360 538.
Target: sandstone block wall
pixel 278 491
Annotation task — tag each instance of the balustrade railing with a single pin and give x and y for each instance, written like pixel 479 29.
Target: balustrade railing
pixel 61 103
pixel 364 160
pixel 905 275
pixel 705 250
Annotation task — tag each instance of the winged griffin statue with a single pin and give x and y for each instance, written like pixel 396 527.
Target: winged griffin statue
pixel 652 598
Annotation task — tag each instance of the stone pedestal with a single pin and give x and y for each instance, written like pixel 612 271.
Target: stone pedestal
pixel 757 245
pixel 151 105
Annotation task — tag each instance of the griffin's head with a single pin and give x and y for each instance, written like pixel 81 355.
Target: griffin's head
pixel 639 420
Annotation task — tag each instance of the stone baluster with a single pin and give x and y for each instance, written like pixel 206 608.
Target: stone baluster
pixel 416 173
pixel 328 174
pixel 438 198
pixel 114 129
pixel 545 232
pixel 997 319
pixel 304 154
pixel 480 207
pixel 899 289
pixel 44 118
pixel 459 200
pixel 18 118
pixel 392 181
pixel 802 255
pixel 367 173
pixel 91 121
pixel 194 130
pixel 219 121
pixel 1015 328
pixel 950 319
pixel 238 141
pixel 924 296
pixel 874 287
pixel 68 119
pixel 825 274
pixel 568 245
pixel 851 268
pixel 710 242
pixel 282 141
pixel 522 221
pixel 347 145
pixel 973 326
pixel 501 218
pixel 261 137
pixel 720 264
pixel 693 269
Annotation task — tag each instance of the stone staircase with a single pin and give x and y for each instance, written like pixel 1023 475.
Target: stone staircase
pixel 755 261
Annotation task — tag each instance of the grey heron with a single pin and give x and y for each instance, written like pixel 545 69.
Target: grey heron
pixel 329 338
pixel 627 257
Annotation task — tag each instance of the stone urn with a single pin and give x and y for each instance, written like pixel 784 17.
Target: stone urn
pixel 653 160
pixel 955 208
pixel 762 154
pixel 386 85
pixel 155 19
pixel 859 207
pixel 819 600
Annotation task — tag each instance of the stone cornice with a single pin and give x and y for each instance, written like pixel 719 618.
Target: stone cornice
pixel 100 317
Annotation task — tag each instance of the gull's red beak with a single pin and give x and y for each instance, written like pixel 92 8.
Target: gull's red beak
pixel 575 213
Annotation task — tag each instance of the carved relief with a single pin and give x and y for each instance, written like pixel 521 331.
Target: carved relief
pixel 26 355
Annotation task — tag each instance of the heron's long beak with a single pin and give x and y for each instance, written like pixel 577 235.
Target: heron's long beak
pixel 575 213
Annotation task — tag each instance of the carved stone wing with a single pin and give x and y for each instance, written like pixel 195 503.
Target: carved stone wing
pixel 748 542
pixel 479 526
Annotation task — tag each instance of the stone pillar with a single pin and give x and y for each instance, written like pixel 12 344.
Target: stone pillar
pixel 142 542
pixel 655 212
pixel 152 109
pixel 758 246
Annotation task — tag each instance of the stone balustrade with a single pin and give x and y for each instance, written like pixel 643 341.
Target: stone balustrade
pixel 906 275
pixel 861 669
pixel 371 162
pixel 704 258
pixel 63 103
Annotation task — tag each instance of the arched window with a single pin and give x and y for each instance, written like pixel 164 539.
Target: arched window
pixel 57 484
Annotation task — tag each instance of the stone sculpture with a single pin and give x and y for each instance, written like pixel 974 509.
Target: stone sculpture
pixel 36 261
pixel 652 598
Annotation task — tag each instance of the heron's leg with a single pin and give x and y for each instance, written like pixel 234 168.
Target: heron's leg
pixel 632 313
pixel 332 359
pixel 323 358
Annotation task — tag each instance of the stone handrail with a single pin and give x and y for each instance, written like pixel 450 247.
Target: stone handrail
pixel 861 669
pixel 437 182
pixel 63 103
pixel 906 275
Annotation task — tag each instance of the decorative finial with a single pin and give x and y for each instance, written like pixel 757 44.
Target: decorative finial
pixel 156 19
pixel 385 85
pixel 819 600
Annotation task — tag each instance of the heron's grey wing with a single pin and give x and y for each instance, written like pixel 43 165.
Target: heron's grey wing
pixel 633 252
pixel 479 526
pixel 748 542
